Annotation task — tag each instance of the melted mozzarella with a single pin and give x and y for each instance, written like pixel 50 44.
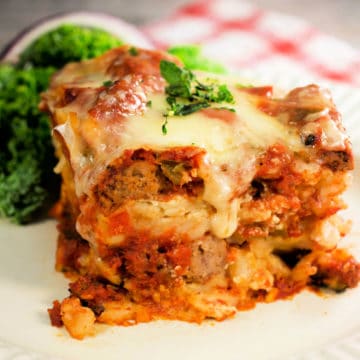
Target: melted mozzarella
pixel 231 146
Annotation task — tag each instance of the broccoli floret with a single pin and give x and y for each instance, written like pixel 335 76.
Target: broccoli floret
pixel 68 43
pixel 191 56
pixel 26 153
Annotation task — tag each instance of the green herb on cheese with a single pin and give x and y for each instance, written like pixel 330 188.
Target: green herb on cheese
pixel 133 51
pixel 186 94
pixel 164 126
pixel 108 83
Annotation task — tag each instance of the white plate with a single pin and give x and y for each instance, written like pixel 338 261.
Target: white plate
pixel 307 325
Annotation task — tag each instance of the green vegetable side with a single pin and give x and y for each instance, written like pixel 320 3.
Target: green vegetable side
pixel 67 43
pixel 193 59
pixel 26 155
pixel 27 181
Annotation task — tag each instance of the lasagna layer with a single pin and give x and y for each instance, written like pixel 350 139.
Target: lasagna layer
pixel 231 205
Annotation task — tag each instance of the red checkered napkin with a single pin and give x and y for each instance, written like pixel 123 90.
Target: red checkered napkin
pixel 243 36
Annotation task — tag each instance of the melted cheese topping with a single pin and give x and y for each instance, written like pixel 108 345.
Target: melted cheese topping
pixel 236 144
pixel 232 145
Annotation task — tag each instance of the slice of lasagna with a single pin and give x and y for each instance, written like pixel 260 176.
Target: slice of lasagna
pixel 190 196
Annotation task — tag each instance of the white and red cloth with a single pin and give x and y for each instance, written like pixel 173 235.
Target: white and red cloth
pixel 243 36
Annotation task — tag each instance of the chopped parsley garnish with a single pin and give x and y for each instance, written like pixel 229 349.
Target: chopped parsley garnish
pixel 149 104
pixel 179 79
pixel 186 95
pixel 133 51
pixel 164 126
pixel 107 83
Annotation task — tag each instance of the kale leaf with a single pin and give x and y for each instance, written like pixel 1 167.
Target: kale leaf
pixel 27 181
pixel 26 154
